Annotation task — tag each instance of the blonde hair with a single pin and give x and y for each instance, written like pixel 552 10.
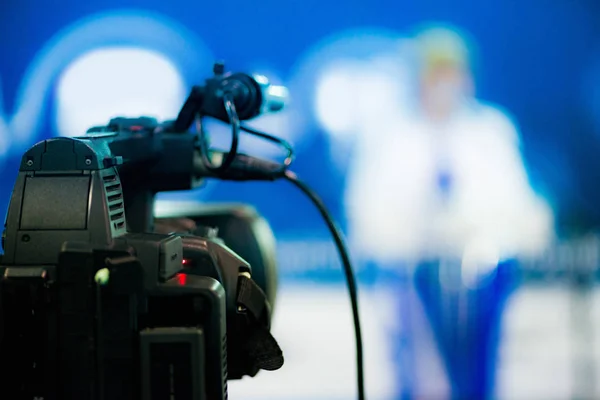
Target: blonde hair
pixel 442 46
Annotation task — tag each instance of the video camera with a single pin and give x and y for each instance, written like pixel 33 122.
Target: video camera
pixel 99 299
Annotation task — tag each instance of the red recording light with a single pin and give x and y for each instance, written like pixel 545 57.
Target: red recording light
pixel 186 263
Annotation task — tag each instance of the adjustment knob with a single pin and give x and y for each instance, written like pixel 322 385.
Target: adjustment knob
pixel 219 68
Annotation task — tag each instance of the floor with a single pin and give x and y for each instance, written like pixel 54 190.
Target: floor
pixel 548 350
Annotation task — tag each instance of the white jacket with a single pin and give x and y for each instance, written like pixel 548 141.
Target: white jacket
pixel 396 210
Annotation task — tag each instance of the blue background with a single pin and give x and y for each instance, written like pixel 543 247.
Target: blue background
pixel 533 58
pixel 538 59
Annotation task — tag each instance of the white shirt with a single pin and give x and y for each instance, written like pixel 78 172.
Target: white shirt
pixel 397 211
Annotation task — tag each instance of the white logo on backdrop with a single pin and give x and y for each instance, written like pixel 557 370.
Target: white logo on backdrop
pixel 157 59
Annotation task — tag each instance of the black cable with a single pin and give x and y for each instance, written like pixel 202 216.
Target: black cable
pixel 234 121
pixel 291 177
pixel 289 158
pixel 348 271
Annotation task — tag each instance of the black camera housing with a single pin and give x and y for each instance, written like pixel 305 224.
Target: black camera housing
pixel 162 319
pixel 94 304
pixel 66 221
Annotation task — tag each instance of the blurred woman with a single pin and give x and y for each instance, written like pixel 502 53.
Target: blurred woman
pixel 444 189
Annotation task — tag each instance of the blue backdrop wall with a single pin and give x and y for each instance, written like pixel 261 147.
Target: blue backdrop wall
pixel 538 59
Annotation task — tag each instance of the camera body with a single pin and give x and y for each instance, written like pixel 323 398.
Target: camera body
pixel 66 222
pixel 94 304
pixel 239 226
